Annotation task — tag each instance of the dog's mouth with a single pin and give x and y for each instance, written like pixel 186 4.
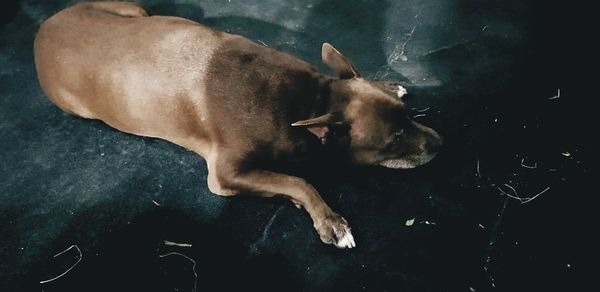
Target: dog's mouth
pixel 408 162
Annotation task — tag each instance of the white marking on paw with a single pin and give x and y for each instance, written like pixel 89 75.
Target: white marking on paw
pixel 347 241
pixel 401 91
pixel 351 239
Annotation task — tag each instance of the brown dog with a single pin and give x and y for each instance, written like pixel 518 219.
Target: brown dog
pixel 234 102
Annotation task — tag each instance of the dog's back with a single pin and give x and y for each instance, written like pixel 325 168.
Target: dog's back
pixel 164 76
pixel 110 61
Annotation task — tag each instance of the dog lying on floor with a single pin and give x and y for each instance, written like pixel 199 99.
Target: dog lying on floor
pixel 232 101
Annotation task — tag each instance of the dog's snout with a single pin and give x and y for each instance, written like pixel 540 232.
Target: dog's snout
pixel 436 145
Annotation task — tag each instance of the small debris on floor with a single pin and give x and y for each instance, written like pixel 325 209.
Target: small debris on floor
pixel 69 269
pixel 531 199
pixel 523 200
pixel 171 243
pixel 523 164
pixel 557 94
pixel 188 258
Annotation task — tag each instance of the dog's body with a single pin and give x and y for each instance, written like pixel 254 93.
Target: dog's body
pixel 230 100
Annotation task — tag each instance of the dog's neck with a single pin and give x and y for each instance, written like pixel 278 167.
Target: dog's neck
pixel 328 99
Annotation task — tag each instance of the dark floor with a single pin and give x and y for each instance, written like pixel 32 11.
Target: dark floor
pixel 486 74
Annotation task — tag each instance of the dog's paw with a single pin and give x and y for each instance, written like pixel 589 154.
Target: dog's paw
pixel 334 229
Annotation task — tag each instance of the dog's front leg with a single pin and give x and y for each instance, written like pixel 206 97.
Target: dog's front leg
pixel 332 228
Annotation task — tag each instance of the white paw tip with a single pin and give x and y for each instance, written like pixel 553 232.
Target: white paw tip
pixel 347 241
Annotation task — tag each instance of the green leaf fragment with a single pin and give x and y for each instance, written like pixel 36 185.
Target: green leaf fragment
pixel 171 243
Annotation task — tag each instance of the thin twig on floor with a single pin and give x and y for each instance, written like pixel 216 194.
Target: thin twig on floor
pixel 171 243
pixel 557 95
pixel 190 259
pixel 523 200
pixel 532 198
pixel 69 269
pixel 534 166
pixel 509 195
pixel 516 195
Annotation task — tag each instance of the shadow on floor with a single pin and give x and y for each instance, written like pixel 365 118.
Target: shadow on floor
pixel 139 257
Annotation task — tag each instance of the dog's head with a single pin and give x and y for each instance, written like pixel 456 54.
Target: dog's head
pixel 371 119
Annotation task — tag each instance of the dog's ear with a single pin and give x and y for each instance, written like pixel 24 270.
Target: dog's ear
pixel 321 126
pixel 336 61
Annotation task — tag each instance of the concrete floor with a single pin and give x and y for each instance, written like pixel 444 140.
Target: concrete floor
pixel 484 73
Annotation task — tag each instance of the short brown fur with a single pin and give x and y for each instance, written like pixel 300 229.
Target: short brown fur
pixel 234 102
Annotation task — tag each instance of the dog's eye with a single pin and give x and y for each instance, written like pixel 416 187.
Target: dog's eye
pixel 339 130
pixel 399 135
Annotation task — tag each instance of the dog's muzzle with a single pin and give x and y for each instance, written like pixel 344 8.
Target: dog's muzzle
pixel 409 162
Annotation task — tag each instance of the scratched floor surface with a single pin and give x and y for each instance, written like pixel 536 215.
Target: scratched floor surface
pixel 86 208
